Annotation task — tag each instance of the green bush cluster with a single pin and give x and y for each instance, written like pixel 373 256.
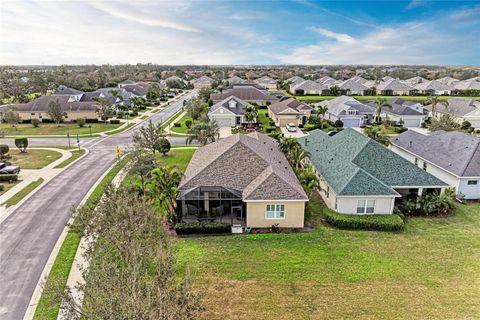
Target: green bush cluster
pixel 114 121
pixel 8 177
pixel 391 222
pixel 177 124
pixel 270 129
pixel 400 129
pixel 1 187
pixel 310 126
pixel 202 228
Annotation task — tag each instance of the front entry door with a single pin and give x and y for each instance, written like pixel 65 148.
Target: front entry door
pixel 237 213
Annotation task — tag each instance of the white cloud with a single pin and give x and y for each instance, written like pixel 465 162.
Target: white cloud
pixel 341 37
pixel 415 4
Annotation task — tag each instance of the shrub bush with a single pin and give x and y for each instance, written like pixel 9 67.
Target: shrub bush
pixel 91 120
pixel 188 123
pixel 310 127
pixel 338 124
pixel 202 228
pixel 400 129
pixel 35 123
pixel 21 144
pixel 114 121
pixel 81 122
pixel 4 149
pixel 8 177
pixel 1 187
pixel 391 222
pixel 177 124
pixel 270 129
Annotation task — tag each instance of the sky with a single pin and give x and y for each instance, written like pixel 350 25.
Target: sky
pixel 199 32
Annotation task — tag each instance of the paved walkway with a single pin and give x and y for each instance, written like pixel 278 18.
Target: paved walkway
pixel 297 134
pixel 29 175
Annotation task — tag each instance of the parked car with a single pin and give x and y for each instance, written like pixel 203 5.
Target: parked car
pixel 4 169
pixel 291 127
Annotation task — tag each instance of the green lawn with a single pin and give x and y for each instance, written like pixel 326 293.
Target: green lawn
pixel 430 271
pixel 7 186
pixel 26 129
pixel 166 123
pixel 33 158
pixel 412 98
pixel 183 127
pixel 16 198
pixel 75 155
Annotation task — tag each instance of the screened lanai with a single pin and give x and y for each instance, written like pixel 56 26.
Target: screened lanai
pixel 213 204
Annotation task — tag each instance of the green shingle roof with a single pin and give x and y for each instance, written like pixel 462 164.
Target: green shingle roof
pixel 353 164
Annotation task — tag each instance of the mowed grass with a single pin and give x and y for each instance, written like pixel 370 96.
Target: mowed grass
pixel 33 158
pixel 26 129
pixel 16 198
pixel 361 98
pixel 183 127
pixel 430 271
pixel 75 155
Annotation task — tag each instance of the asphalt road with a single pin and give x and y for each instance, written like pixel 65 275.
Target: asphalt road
pixel 28 235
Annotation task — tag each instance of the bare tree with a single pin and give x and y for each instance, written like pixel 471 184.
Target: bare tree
pixel 150 137
pixel 105 109
pixel 55 111
pixel 11 116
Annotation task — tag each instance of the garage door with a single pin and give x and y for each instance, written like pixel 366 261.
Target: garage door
pixel 409 123
pixel 351 123
pixel 224 122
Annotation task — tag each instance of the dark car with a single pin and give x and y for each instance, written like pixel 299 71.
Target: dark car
pixel 332 133
pixel 4 169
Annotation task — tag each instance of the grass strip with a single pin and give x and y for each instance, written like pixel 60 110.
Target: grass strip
pixel 49 305
pixel 23 193
pixel 128 126
pixel 75 155
pixel 167 123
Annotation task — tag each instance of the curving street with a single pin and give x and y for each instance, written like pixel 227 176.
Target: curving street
pixel 28 235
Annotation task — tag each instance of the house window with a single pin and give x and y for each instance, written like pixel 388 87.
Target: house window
pixel 275 211
pixel 425 166
pixel 365 206
pixel 472 182
pixel 416 161
pixel 352 113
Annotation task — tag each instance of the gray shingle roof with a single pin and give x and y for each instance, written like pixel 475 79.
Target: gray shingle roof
pixel 394 84
pixel 433 85
pixel 353 164
pixel 246 93
pixel 457 107
pixel 203 79
pixel 470 84
pixel 251 164
pixel 225 103
pixel 292 103
pixel 453 151
pixel 41 104
pixel 352 85
pixel 63 90
pixel 266 80
pixel 309 85
pixel 340 106
pixel 399 106
pixel 295 80
pixel 448 81
pixel 235 80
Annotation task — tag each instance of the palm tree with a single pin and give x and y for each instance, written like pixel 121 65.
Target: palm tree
pixel 298 157
pixel 251 114
pixel 203 131
pixel 309 179
pixel 162 187
pixel 288 144
pixel 376 134
pixel 379 103
pixel 321 110
pixel 433 101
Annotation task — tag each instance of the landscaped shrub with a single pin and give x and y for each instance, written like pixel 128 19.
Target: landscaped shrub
pixel 391 222
pixel 400 129
pixel 1 187
pixel 35 123
pixel 91 120
pixel 338 124
pixel 310 127
pixel 22 144
pixel 202 228
pixel 270 129
pixel 81 122
pixel 114 121
pixel 8 177
pixel 188 123
pixel 4 149
pixel 177 124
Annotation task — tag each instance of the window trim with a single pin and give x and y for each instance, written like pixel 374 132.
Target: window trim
pixel 425 166
pixel 365 206
pixel 275 212
pixel 472 182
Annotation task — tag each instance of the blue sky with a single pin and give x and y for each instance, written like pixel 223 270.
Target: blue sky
pixel 240 32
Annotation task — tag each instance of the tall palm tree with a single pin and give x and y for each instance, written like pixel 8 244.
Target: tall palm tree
pixel 251 114
pixel 379 103
pixel 203 132
pixel 433 100
pixel 321 110
pixel 286 145
pixel 162 187
pixel 309 179
pixel 298 157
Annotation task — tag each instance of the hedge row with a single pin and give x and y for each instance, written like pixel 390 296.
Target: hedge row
pixel 202 228
pixel 8 177
pixel 391 222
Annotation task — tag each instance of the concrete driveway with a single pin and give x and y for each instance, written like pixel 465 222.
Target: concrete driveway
pixel 225 132
pixel 297 134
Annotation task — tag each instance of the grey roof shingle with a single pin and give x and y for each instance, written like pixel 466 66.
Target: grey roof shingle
pixel 353 164
pixel 340 106
pixel 433 85
pixel 41 104
pixel 352 85
pixel 399 106
pixel 64 90
pixel 395 85
pixel 457 107
pixel 454 151
pixel 292 103
pixel 246 93
pixel 251 164
pixel 469 84
pixel 309 85
pixel 225 103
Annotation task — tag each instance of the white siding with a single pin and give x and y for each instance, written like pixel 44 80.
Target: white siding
pixel 470 191
pixel 383 205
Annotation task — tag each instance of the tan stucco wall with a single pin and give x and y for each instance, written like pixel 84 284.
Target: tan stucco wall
pixel 294 215
pixel 348 205
pixel 71 115
pixel 201 85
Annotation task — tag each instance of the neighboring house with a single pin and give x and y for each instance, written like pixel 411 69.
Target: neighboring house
pixel 350 111
pixel 352 87
pixel 139 89
pixel 202 82
pixel 434 87
pixel 309 87
pixel 328 81
pixel 289 110
pixel 234 80
pixel 399 110
pixel 243 179
pixel 470 84
pixel 462 109
pixel 414 81
pixel 38 108
pixel 267 82
pixel 245 93
pixel 360 176
pixel 453 157
pixel 394 87
pixel 229 112
pixel 125 82
pixel 363 81
pixel 294 80
pixel 449 81
pixel 66 91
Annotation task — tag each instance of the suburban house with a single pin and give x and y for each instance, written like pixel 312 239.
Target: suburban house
pixel 434 87
pixel 351 87
pixel 66 91
pixel 453 157
pixel 202 82
pixel 294 80
pixel 462 109
pixel 363 81
pixel 309 87
pixel 408 112
pixel 138 89
pixel 234 80
pixel 469 84
pixel 245 93
pixel 328 81
pixel 267 82
pixel 229 112
pixel 414 81
pixel 243 179
pixel 350 111
pixel 449 81
pixel 360 176
pixel 125 82
pixel 289 110
pixel 38 108
pixel 394 87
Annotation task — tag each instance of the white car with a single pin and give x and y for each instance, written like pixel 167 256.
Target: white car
pixel 291 127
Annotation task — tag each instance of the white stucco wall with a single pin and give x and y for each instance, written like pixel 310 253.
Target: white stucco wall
pixel 348 205
pixel 470 192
